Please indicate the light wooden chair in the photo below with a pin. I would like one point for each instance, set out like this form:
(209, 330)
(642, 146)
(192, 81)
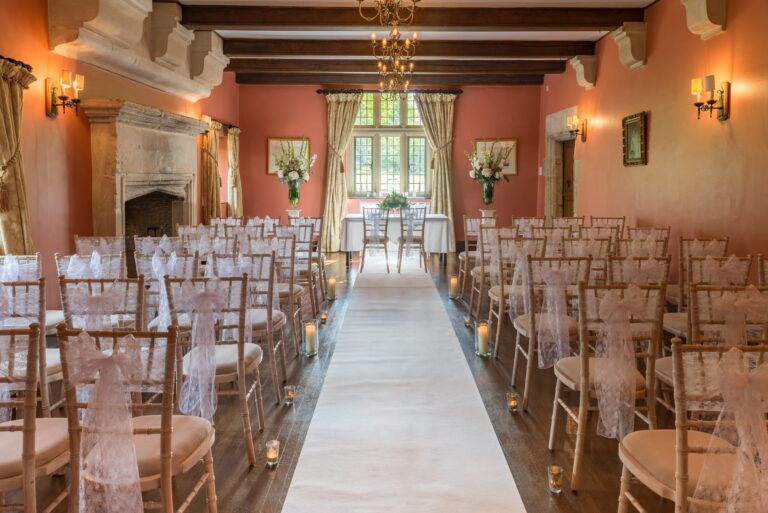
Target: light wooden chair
(716, 247)
(31, 269)
(167, 445)
(318, 257)
(236, 359)
(498, 309)
(525, 225)
(599, 232)
(289, 291)
(577, 373)
(640, 247)
(30, 447)
(84, 246)
(189, 264)
(617, 222)
(112, 266)
(639, 271)
(574, 223)
(127, 313)
(670, 462)
(221, 224)
(480, 274)
(529, 324)
(468, 257)
(307, 269)
(659, 233)
(267, 225)
(375, 226)
(762, 271)
(554, 236)
(142, 244)
(412, 222)
(597, 249)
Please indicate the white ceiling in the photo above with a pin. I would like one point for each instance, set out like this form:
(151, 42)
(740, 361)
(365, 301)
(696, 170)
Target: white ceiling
(432, 3)
(592, 35)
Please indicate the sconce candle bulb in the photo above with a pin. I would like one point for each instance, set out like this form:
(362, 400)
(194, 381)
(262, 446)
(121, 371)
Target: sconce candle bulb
(577, 127)
(57, 95)
(719, 98)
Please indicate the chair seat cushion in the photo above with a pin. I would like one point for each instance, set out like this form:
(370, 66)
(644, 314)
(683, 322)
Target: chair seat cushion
(676, 323)
(284, 290)
(376, 240)
(568, 370)
(184, 322)
(51, 442)
(257, 319)
(226, 358)
(52, 361)
(52, 319)
(664, 369)
(650, 456)
(523, 323)
(472, 254)
(191, 435)
(476, 271)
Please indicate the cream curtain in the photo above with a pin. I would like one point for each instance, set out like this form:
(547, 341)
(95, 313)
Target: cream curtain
(211, 180)
(234, 185)
(15, 237)
(436, 110)
(342, 111)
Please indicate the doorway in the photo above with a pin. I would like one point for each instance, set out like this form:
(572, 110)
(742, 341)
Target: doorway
(569, 147)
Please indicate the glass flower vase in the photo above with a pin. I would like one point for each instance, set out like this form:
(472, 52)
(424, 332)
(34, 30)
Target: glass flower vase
(293, 193)
(488, 191)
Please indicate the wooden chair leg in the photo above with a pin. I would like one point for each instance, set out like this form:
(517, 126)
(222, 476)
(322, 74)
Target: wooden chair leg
(259, 398)
(210, 490)
(480, 290)
(245, 415)
(273, 366)
(499, 326)
(399, 257)
(625, 482)
(517, 354)
(471, 307)
(555, 415)
(362, 257)
(283, 358)
(528, 372)
(386, 256)
(581, 439)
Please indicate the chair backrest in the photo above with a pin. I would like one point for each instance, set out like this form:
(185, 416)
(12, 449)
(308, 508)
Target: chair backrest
(640, 248)
(231, 314)
(525, 225)
(375, 222)
(488, 239)
(596, 248)
(20, 267)
(634, 233)
(472, 230)
(506, 253)
(574, 223)
(185, 264)
(81, 266)
(285, 262)
(599, 232)
(166, 245)
(730, 270)
(640, 271)
(708, 316)
(554, 236)
(267, 224)
(19, 352)
(412, 221)
(616, 222)
(84, 246)
(578, 269)
(122, 308)
(717, 247)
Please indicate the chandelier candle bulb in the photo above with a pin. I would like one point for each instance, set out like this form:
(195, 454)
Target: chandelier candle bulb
(273, 453)
(331, 286)
(453, 291)
(310, 337)
(555, 473)
(482, 339)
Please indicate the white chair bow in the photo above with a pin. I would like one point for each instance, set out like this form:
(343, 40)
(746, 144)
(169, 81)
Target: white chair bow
(93, 311)
(553, 335)
(736, 308)
(109, 473)
(730, 272)
(9, 270)
(161, 269)
(615, 373)
(521, 279)
(641, 271)
(699, 248)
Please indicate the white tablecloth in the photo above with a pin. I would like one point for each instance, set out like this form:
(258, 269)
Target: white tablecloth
(436, 228)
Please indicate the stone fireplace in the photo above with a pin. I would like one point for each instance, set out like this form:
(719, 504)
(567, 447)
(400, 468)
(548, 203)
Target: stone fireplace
(144, 156)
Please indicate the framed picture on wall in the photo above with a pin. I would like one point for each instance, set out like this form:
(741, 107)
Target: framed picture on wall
(510, 166)
(277, 145)
(635, 139)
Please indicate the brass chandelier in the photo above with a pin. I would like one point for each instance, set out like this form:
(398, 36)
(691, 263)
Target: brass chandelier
(394, 61)
(390, 13)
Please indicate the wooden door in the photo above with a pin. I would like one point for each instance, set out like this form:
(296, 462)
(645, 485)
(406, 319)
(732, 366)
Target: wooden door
(568, 187)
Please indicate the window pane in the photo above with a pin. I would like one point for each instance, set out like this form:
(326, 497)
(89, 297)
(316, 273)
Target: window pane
(363, 164)
(390, 164)
(390, 110)
(414, 118)
(365, 114)
(417, 165)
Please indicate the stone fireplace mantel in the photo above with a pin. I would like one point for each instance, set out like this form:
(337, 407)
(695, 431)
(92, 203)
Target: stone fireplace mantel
(136, 150)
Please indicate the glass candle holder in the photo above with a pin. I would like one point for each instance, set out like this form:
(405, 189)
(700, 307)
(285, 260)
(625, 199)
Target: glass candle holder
(513, 402)
(453, 287)
(482, 339)
(323, 318)
(273, 453)
(311, 337)
(290, 394)
(331, 289)
(467, 321)
(555, 475)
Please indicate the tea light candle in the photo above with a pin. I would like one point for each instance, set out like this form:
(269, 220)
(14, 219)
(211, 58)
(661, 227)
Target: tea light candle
(323, 318)
(273, 453)
(290, 394)
(513, 400)
(331, 288)
(310, 338)
(467, 321)
(555, 478)
(482, 339)
(454, 287)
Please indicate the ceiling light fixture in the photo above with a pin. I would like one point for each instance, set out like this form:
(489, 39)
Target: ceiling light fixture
(394, 61)
(390, 13)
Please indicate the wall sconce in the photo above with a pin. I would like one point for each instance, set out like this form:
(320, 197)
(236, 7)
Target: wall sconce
(576, 127)
(722, 103)
(60, 92)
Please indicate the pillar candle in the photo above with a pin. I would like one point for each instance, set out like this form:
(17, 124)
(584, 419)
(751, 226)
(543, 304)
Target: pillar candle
(454, 290)
(331, 288)
(310, 334)
(482, 339)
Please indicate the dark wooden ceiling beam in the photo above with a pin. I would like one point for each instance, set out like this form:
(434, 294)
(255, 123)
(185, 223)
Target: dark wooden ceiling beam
(340, 49)
(482, 67)
(373, 79)
(215, 17)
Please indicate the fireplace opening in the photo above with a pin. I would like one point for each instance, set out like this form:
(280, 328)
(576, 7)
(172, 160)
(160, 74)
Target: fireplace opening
(154, 214)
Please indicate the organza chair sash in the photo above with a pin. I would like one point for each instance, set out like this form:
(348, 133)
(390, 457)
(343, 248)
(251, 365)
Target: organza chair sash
(553, 335)
(93, 311)
(521, 278)
(641, 271)
(109, 474)
(712, 248)
(732, 271)
(736, 309)
(149, 245)
(161, 268)
(639, 248)
(616, 369)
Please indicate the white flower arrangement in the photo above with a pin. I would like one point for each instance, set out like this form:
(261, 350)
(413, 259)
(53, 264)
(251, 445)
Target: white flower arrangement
(293, 167)
(486, 168)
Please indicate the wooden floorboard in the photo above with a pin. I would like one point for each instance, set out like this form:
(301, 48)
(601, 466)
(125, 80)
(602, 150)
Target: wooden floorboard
(523, 436)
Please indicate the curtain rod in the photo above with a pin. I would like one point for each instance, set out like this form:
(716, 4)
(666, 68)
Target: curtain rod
(225, 125)
(18, 63)
(377, 91)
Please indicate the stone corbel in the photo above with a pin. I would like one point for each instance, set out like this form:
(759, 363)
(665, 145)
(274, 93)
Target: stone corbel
(585, 67)
(630, 38)
(121, 21)
(170, 39)
(207, 59)
(705, 18)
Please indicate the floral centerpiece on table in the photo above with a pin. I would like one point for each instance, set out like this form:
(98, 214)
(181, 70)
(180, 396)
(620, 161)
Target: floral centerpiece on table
(394, 201)
(487, 164)
(294, 169)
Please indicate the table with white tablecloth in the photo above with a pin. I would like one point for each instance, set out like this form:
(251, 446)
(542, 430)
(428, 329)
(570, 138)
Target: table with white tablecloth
(436, 232)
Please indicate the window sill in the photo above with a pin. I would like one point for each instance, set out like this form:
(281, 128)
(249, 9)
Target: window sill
(415, 198)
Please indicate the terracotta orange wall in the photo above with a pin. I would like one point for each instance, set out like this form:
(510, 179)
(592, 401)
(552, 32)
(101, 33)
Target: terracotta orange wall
(280, 111)
(57, 153)
(703, 178)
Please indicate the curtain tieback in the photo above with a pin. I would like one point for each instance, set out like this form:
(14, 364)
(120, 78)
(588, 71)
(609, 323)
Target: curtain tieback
(438, 150)
(4, 196)
(341, 158)
(10, 161)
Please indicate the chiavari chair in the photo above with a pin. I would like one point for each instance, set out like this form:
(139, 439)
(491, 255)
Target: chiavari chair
(126, 308)
(617, 222)
(574, 223)
(84, 246)
(658, 233)
(30, 269)
(412, 223)
(481, 273)
(525, 225)
(375, 232)
(639, 271)
(468, 257)
(554, 236)
(188, 265)
(104, 266)
(599, 232)
(715, 247)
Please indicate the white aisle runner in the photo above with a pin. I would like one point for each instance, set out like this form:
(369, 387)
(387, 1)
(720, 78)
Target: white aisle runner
(400, 426)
